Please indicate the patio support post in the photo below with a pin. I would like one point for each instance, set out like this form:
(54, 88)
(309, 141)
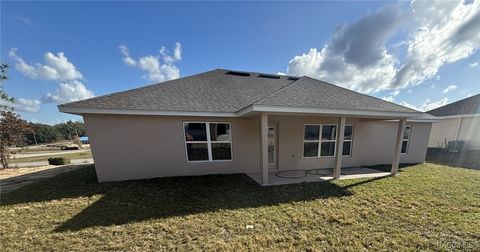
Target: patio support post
(398, 146)
(264, 147)
(339, 148)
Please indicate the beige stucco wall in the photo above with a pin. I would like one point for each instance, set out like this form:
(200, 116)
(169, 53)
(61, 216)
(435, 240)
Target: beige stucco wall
(136, 147)
(373, 142)
(460, 128)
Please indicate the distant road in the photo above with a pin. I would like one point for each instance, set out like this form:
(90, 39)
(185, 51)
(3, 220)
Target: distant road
(43, 163)
(47, 153)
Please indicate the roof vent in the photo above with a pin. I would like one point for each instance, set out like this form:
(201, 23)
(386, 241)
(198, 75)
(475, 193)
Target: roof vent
(238, 73)
(293, 78)
(268, 76)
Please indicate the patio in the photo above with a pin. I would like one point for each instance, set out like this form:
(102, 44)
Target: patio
(316, 175)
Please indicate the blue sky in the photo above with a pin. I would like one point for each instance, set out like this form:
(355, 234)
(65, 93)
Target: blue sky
(402, 52)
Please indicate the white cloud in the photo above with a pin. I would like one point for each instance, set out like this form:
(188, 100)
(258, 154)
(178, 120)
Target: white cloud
(157, 70)
(26, 21)
(388, 98)
(449, 88)
(427, 105)
(395, 92)
(474, 64)
(357, 57)
(69, 92)
(56, 67)
(23, 104)
(446, 31)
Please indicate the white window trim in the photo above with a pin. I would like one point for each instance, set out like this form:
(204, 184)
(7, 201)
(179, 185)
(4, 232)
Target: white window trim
(350, 140)
(406, 140)
(319, 140)
(208, 142)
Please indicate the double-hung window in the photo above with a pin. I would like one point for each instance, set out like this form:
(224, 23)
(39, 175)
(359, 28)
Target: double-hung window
(208, 141)
(319, 140)
(406, 139)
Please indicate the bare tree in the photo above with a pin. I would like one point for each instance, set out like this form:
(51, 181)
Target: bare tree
(12, 132)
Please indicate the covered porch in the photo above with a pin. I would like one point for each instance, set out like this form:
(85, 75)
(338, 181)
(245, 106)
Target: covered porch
(297, 172)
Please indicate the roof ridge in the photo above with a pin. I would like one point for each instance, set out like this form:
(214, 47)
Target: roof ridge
(278, 90)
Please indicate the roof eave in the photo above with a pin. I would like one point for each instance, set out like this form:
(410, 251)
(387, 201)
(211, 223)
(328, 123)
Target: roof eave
(326, 111)
(82, 111)
(252, 109)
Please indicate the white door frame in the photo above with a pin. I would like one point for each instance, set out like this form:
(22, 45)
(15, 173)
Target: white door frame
(274, 165)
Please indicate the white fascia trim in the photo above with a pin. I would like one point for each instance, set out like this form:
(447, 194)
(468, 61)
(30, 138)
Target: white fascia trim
(80, 111)
(306, 110)
(458, 116)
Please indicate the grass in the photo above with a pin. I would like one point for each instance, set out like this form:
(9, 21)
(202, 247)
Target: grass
(76, 155)
(427, 207)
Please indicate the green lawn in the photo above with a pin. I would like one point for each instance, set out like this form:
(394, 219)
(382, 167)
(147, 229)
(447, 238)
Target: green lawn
(426, 207)
(77, 155)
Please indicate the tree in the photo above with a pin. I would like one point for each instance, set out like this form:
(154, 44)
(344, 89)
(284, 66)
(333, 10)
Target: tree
(42, 133)
(12, 132)
(5, 100)
(71, 129)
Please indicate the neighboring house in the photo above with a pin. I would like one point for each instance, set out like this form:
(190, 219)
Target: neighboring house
(460, 121)
(225, 121)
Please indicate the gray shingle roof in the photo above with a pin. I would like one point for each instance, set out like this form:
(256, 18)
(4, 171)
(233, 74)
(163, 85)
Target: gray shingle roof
(213, 91)
(468, 106)
(219, 91)
(309, 92)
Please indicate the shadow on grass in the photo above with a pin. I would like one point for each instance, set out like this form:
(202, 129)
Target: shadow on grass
(388, 167)
(131, 201)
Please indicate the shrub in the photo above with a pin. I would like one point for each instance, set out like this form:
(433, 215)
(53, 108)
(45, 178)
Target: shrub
(58, 161)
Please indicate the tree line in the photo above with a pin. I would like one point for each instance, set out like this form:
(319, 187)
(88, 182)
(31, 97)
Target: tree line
(43, 133)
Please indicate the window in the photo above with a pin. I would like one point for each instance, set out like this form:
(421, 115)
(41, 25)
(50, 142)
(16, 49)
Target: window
(347, 140)
(406, 139)
(319, 140)
(208, 141)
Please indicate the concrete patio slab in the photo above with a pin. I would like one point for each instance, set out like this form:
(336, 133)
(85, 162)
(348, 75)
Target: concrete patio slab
(315, 175)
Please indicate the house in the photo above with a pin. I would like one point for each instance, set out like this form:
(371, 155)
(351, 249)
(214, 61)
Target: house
(460, 121)
(224, 121)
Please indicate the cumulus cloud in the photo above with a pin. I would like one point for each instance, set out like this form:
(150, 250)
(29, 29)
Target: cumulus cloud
(474, 64)
(159, 67)
(23, 104)
(358, 58)
(449, 88)
(56, 67)
(68, 92)
(427, 105)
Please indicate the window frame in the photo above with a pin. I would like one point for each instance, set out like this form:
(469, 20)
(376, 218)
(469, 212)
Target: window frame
(208, 142)
(351, 140)
(406, 140)
(319, 140)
